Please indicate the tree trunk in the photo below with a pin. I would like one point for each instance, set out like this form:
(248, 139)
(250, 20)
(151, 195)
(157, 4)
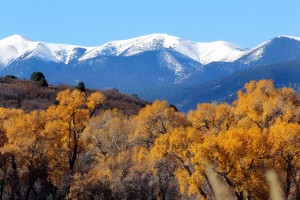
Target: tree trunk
(288, 179)
(2, 186)
(74, 156)
(31, 182)
(16, 186)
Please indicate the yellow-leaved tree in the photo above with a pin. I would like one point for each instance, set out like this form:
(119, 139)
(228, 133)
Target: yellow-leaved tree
(155, 120)
(9, 184)
(152, 122)
(65, 125)
(276, 112)
(27, 145)
(108, 157)
(191, 148)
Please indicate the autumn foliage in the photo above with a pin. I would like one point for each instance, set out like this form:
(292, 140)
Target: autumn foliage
(78, 148)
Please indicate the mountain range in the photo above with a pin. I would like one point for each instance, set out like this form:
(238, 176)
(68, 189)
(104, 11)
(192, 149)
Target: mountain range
(157, 66)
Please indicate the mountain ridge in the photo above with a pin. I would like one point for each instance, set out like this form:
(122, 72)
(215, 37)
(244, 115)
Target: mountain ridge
(142, 63)
(203, 52)
(168, 41)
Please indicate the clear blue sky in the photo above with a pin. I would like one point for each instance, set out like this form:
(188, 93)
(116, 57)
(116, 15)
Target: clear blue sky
(94, 22)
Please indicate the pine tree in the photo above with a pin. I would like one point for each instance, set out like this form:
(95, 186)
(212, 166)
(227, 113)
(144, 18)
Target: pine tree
(80, 86)
(39, 78)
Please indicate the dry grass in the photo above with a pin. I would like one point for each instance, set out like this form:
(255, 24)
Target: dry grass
(222, 192)
(276, 192)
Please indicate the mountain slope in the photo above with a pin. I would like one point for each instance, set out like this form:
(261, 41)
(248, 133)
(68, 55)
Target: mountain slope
(225, 90)
(279, 49)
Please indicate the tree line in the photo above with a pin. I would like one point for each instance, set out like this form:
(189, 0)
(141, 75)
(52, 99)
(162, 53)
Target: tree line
(69, 151)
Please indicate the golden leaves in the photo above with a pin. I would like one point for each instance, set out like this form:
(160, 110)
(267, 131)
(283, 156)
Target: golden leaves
(95, 99)
(240, 142)
(113, 151)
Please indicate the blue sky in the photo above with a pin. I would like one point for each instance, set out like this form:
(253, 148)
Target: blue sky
(94, 22)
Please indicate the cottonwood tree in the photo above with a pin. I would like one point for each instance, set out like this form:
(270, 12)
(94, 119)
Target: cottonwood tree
(27, 145)
(153, 121)
(9, 184)
(67, 121)
(240, 142)
(182, 145)
(108, 156)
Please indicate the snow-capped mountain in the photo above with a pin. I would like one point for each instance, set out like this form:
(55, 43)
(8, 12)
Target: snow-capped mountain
(136, 64)
(279, 49)
(201, 52)
(164, 59)
(16, 46)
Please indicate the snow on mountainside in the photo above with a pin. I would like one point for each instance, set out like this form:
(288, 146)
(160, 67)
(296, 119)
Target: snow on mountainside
(156, 61)
(15, 46)
(278, 49)
(201, 52)
(290, 37)
(167, 58)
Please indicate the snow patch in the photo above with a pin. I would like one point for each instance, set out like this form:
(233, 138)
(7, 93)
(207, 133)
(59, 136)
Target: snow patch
(173, 64)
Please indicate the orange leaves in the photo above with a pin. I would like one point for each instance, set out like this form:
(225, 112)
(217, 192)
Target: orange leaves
(155, 120)
(26, 131)
(95, 99)
(107, 133)
(240, 141)
(119, 153)
(71, 99)
(285, 136)
(262, 104)
(211, 118)
(6, 114)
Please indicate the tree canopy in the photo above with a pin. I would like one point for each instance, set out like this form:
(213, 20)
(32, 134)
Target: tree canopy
(69, 151)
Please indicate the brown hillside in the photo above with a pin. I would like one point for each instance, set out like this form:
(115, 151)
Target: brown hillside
(29, 96)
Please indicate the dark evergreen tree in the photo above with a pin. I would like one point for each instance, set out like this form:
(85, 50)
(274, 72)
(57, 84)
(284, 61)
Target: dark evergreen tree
(80, 86)
(174, 107)
(11, 77)
(39, 78)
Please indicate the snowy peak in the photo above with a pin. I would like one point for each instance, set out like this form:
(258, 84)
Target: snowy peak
(16, 47)
(278, 49)
(289, 37)
(150, 43)
(132, 46)
(216, 51)
(282, 40)
(201, 52)
(13, 47)
(13, 39)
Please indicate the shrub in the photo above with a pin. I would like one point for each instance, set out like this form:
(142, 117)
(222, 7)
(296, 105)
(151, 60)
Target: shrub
(11, 77)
